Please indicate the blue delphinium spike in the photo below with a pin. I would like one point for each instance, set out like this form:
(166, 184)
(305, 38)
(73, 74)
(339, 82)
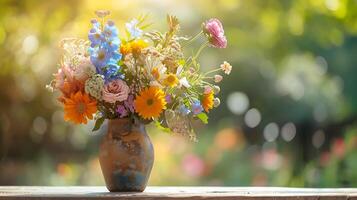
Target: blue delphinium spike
(104, 49)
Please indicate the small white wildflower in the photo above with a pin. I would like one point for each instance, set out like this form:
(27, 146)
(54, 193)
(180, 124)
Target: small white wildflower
(226, 67)
(179, 70)
(184, 82)
(133, 29)
(94, 86)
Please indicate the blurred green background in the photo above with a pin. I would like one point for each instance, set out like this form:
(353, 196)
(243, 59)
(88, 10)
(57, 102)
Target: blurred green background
(289, 109)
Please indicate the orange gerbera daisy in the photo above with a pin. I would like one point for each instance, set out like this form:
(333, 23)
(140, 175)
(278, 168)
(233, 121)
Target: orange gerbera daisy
(72, 86)
(208, 101)
(150, 102)
(78, 107)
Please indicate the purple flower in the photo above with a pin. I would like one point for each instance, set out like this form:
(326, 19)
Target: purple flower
(214, 31)
(129, 103)
(168, 98)
(122, 111)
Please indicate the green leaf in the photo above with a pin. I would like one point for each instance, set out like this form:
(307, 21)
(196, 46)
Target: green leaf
(161, 127)
(203, 117)
(98, 124)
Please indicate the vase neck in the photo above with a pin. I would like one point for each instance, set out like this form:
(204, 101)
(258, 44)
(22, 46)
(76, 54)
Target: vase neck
(124, 126)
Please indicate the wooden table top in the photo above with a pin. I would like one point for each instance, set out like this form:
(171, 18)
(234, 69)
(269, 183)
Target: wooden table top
(166, 193)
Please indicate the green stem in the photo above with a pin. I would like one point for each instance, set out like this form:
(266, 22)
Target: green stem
(193, 59)
(204, 45)
(193, 39)
(214, 70)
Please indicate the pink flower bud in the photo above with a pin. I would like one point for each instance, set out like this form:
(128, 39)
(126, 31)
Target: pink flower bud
(207, 89)
(218, 78)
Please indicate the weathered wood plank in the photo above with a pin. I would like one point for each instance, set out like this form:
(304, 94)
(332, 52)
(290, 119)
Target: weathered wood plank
(182, 193)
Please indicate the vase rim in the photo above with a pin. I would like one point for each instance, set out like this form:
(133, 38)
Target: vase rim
(120, 119)
(125, 120)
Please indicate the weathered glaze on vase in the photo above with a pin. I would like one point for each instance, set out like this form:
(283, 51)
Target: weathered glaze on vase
(126, 156)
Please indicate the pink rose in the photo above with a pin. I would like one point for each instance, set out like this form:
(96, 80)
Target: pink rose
(214, 30)
(116, 90)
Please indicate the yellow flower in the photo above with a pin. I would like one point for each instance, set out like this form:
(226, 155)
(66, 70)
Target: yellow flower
(137, 46)
(155, 73)
(150, 102)
(208, 101)
(171, 80)
(78, 107)
(134, 47)
(125, 48)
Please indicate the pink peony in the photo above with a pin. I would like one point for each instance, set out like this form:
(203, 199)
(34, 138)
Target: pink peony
(59, 79)
(214, 30)
(84, 69)
(81, 71)
(116, 90)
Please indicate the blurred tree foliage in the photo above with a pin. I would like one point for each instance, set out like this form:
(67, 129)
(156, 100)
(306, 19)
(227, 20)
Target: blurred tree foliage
(294, 60)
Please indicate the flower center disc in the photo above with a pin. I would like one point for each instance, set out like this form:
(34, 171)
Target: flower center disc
(101, 55)
(81, 107)
(149, 102)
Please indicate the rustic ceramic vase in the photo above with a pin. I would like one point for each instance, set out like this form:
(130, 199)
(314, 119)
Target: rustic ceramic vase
(126, 156)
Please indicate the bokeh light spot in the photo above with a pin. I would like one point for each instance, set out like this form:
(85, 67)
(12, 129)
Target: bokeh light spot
(193, 165)
(39, 125)
(252, 118)
(318, 139)
(229, 138)
(288, 132)
(30, 44)
(332, 4)
(271, 132)
(237, 102)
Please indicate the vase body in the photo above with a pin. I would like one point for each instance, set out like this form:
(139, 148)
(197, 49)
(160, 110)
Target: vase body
(126, 156)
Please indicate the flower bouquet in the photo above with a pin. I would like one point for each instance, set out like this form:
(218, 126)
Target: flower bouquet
(134, 78)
